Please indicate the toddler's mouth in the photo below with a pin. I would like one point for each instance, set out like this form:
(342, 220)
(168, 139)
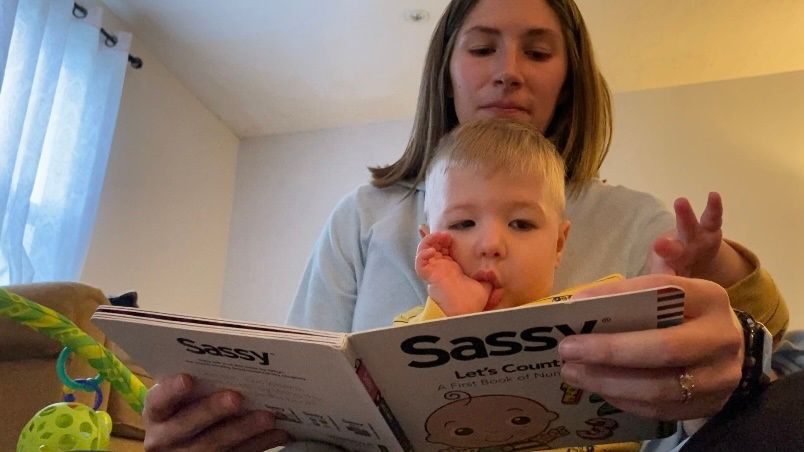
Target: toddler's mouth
(487, 276)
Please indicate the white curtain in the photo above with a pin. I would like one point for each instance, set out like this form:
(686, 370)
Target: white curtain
(60, 88)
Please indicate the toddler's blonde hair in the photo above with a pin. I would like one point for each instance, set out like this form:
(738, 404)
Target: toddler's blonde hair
(499, 145)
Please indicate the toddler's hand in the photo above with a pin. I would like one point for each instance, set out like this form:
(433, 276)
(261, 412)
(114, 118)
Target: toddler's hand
(453, 291)
(434, 263)
(693, 250)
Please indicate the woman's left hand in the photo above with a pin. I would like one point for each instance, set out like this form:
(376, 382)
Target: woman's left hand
(640, 372)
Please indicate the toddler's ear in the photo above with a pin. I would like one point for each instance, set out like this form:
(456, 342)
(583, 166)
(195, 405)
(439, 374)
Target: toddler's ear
(563, 233)
(423, 230)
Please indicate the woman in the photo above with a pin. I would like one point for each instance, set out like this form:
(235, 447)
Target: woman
(529, 60)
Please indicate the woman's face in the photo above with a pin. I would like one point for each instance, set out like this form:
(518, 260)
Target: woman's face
(509, 60)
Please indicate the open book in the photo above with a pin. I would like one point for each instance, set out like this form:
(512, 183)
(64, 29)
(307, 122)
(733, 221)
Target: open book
(485, 381)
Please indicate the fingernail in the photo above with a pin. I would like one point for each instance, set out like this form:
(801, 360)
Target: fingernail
(184, 382)
(569, 350)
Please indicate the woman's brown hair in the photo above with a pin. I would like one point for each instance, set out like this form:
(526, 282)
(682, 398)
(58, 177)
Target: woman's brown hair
(581, 125)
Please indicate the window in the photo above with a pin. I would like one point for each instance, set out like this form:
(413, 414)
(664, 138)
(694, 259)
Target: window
(59, 96)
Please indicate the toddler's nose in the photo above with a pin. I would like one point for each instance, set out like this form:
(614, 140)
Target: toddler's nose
(492, 244)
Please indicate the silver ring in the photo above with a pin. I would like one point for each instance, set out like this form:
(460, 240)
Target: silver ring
(687, 385)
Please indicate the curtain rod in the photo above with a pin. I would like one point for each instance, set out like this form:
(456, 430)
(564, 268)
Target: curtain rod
(110, 40)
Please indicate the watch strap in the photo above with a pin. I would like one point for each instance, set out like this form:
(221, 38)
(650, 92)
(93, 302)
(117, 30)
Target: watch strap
(758, 346)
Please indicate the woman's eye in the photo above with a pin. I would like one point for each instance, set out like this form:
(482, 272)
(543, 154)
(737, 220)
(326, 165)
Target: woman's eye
(538, 55)
(522, 225)
(481, 51)
(463, 224)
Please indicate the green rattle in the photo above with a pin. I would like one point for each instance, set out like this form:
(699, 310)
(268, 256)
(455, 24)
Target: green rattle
(66, 426)
(69, 425)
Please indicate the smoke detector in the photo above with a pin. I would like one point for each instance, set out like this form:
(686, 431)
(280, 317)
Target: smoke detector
(417, 15)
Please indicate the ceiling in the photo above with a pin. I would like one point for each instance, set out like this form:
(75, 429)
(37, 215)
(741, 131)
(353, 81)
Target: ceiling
(277, 66)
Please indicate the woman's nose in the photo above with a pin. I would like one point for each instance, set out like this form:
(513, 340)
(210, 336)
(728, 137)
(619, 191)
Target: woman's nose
(509, 73)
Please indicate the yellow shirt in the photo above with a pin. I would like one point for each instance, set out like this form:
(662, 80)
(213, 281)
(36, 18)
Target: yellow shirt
(431, 311)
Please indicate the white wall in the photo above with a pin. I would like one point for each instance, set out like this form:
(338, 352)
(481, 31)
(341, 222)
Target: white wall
(163, 221)
(286, 187)
(742, 137)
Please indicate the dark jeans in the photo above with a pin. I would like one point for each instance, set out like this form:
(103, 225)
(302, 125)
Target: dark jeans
(772, 420)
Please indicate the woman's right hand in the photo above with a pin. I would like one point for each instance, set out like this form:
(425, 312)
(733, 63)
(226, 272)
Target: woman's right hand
(176, 419)
(641, 371)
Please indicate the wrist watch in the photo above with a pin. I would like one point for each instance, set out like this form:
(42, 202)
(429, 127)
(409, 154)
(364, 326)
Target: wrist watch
(758, 343)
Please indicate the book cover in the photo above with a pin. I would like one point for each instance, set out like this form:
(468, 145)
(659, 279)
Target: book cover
(485, 381)
(308, 379)
(492, 381)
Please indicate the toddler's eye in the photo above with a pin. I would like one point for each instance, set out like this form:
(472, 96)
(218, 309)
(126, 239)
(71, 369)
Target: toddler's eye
(464, 431)
(522, 225)
(460, 225)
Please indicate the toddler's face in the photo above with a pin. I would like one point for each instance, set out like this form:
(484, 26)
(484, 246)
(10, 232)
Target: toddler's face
(505, 230)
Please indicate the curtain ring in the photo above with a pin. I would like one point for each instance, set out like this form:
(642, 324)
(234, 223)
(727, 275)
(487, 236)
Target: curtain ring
(79, 11)
(111, 40)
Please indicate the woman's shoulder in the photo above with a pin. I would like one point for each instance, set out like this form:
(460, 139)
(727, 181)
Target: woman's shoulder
(368, 203)
(600, 195)
(370, 195)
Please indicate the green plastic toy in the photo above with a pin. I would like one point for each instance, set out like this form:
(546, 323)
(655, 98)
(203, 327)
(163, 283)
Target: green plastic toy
(68, 425)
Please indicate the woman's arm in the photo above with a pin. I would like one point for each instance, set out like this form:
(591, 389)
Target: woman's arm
(328, 290)
(758, 295)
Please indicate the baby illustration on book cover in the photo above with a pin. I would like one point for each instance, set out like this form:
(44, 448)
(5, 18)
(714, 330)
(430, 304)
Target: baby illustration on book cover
(492, 423)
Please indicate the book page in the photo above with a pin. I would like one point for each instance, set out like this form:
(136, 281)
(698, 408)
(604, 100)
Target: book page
(312, 388)
(493, 379)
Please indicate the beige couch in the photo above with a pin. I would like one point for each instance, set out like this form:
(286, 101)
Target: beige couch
(28, 380)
